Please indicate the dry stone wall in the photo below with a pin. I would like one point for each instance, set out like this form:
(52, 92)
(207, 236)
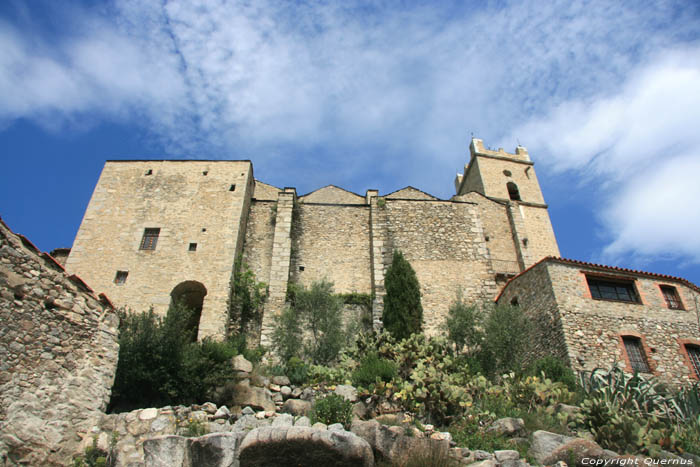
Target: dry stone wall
(332, 242)
(257, 250)
(58, 355)
(444, 243)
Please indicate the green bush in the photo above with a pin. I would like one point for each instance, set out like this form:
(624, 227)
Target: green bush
(332, 409)
(297, 371)
(373, 368)
(318, 312)
(92, 457)
(463, 325)
(160, 365)
(507, 336)
(247, 299)
(403, 313)
(554, 369)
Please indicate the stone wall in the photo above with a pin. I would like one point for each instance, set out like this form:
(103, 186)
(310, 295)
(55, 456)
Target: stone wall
(204, 203)
(332, 242)
(444, 243)
(257, 249)
(332, 195)
(534, 295)
(541, 241)
(58, 355)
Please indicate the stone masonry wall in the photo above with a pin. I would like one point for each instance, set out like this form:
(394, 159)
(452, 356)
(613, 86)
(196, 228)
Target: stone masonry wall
(534, 295)
(257, 250)
(332, 242)
(444, 243)
(200, 202)
(540, 234)
(593, 327)
(58, 355)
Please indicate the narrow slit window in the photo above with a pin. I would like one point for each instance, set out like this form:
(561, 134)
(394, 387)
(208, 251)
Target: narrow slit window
(120, 277)
(635, 354)
(513, 192)
(693, 352)
(150, 239)
(205, 173)
(149, 172)
(193, 247)
(232, 187)
(673, 301)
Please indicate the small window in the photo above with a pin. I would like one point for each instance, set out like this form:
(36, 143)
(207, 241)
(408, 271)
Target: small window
(232, 187)
(515, 302)
(635, 354)
(204, 229)
(149, 172)
(513, 192)
(507, 173)
(193, 247)
(150, 239)
(693, 352)
(301, 268)
(205, 173)
(120, 278)
(605, 289)
(673, 301)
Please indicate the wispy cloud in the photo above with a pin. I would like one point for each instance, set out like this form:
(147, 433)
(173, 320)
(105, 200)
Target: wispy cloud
(640, 150)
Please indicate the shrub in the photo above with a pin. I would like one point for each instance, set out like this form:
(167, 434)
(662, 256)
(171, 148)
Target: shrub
(317, 311)
(373, 368)
(297, 371)
(246, 300)
(403, 313)
(160, 365)
(332, 409)
(554, 369)
(93, 457)
(507, 337)
(462, 324)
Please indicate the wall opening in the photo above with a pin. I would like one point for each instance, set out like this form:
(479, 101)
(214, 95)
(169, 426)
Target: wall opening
(513, 192)
(190, 294)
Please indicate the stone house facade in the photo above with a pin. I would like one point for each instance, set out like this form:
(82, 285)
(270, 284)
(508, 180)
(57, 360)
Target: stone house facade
(593, 316)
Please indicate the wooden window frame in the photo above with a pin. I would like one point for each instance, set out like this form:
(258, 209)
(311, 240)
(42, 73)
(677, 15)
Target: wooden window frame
(673, 291)
(628, 283)
(644, 347)
(684, 343)
(120, 277)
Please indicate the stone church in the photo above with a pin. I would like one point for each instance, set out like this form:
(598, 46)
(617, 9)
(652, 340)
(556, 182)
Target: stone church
(158, 231)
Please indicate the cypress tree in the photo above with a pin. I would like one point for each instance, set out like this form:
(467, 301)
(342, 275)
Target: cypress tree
(403, 313)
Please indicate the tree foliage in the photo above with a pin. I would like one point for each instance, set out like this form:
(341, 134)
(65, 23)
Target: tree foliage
(247, 299)
(312, 326)
(507, 339)
(403, 313)
(160, 365)
(464, 326)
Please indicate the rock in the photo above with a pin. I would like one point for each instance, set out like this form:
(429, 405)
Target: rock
(296, 393)
(441, 436)
(508, 427)
(247, 411)
(348, 392)
(222, 412)
(549, 448)
(240, 363)
(165, 451)
(209, 408)
(319, 426)
(249, 422)
(359, 410)
(296, 407)
(275, 387)
(278, 397)
(148, 414)
(286, 391)
(215, 449)
(260, 415)
(506, 455)
(427, 427)
(482, 455)
(304, 446)
(391, 444)
(270, 413)
(252, 396)
(281, 380)
(283, 419)
(303, 421)
(485, 463)
(307, 394)
(259, 381)
(567, 409)
(336, 427)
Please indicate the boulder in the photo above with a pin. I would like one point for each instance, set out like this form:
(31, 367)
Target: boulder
(359, 410)
(281, 380)
(390, 442)
(549, 448)
(508, 427)
(253, 396)
(349, 393)
(214, 450)
(240, 364)
(291, 446)
(166, 451)
(296, 407)
(303, 421)
(283, 419)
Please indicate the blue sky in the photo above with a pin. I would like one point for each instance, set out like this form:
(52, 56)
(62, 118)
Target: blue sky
(605, 96)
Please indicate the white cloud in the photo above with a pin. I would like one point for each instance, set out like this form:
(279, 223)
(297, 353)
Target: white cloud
(640, 149)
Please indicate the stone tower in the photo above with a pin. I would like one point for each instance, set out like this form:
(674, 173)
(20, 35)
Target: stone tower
(510, 179)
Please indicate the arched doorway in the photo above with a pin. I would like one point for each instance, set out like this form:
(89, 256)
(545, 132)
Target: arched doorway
(191, 295)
